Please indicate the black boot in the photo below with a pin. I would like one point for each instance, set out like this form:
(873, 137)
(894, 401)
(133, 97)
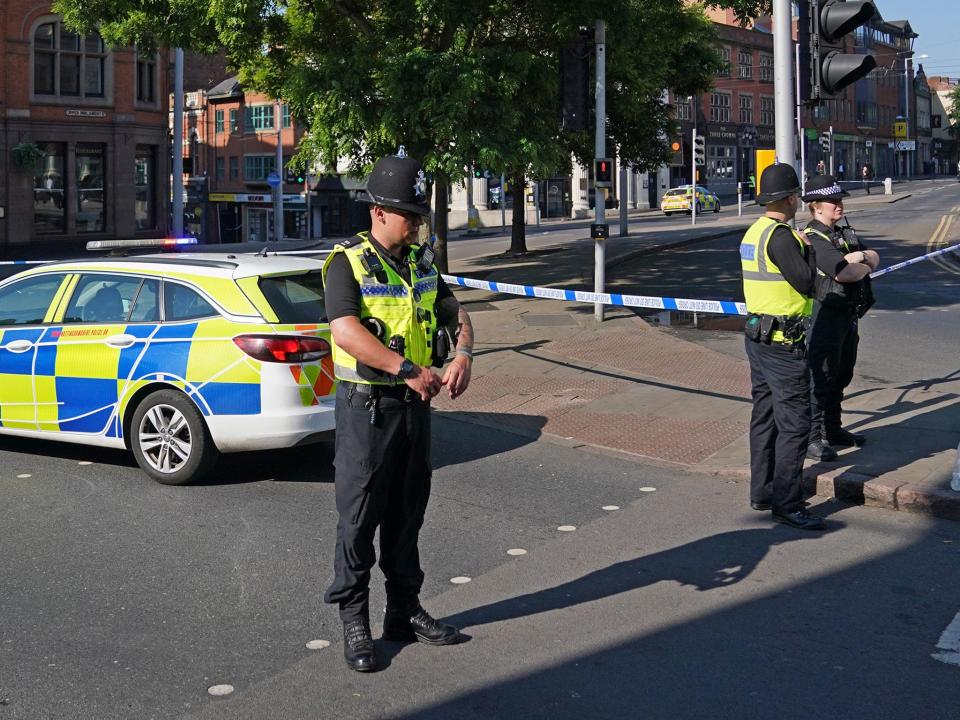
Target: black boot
(418, 627)
(358, 648)
(844, 438)
(819, 450)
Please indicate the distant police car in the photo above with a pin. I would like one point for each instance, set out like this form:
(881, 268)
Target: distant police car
(175, 357)
(678, 200)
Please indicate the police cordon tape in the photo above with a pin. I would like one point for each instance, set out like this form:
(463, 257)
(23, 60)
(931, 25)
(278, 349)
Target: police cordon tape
(718, 307)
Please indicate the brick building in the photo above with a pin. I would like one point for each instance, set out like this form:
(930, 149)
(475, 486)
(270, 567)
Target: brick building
(83, 136)
(943, 141)
(230, 148)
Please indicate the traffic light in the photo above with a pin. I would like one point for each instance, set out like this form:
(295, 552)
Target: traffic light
(699, 150)
(603, 173)
(825, 141)
(827, 67)
(575, 84)
(477, 172)
(676, 150)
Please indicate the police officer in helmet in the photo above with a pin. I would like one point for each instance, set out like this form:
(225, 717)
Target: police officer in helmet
(778, 276)
(391, 317)
(843, 296)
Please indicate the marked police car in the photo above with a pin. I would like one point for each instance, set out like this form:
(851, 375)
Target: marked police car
(678, 200)
(175, 357)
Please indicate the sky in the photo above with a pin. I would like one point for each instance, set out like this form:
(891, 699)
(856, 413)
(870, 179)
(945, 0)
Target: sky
(936, 22)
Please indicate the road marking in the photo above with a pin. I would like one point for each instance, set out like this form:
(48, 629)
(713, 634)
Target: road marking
(938, 239)
(460, 580)
(949, 643)
(610, 508)
(648, 489)
(516, 551)
(23, 476)
(318, 644)
(220, 690)
(567, 528)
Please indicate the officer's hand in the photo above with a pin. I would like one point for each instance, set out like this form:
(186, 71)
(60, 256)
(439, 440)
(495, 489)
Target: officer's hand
(457, 376)
(871, 258)
(425, 383)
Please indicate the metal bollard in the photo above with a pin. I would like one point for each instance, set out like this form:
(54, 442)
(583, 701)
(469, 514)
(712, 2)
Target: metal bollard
(888, 186)
(739, 199)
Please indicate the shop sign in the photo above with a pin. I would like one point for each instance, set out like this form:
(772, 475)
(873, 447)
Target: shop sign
(718, 132)
(252, 198)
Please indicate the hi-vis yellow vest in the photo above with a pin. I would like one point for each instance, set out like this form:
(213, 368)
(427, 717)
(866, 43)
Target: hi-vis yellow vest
(765, 290)
(405, 309)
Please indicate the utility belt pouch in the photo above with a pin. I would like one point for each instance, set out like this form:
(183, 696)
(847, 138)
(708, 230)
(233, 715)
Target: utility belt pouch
(441, 346)
(768, 323)
(751, 328)
(794, 330)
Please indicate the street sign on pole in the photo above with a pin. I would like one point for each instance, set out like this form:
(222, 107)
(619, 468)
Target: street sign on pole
(273, 180)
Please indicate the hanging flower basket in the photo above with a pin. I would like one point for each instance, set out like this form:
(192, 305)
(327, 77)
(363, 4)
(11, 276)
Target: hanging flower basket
(26, 154)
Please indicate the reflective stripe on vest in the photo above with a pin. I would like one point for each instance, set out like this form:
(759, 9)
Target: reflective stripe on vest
(765, 290)
(405, 309)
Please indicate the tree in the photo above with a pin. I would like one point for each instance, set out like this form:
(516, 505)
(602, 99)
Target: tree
(455, 81)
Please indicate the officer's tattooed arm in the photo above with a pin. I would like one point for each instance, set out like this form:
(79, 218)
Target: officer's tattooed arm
(457, 375)
(464, 331)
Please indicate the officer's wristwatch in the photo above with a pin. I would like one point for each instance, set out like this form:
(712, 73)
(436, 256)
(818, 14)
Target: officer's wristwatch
(407, 370)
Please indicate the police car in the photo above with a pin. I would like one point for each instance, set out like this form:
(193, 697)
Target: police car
(175, 357)
(678, 200)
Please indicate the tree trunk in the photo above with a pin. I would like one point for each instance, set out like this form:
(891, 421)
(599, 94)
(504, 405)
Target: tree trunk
(441, 220)
(518, 232)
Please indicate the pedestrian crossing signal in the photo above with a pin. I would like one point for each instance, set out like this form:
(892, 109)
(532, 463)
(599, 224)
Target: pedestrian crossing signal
(603, 173)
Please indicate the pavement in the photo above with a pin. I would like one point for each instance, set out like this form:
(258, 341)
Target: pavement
(627, 387)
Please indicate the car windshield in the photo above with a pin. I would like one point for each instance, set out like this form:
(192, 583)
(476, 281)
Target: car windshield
(295, 298)
(675, 193)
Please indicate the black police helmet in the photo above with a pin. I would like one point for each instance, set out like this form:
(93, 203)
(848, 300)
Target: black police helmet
(777, 182)
(398, 181)
(823, 187)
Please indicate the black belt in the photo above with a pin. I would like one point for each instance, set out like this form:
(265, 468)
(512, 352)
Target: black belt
(399, 392)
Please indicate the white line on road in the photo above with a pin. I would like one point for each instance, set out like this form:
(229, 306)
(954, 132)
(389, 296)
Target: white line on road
(949, 644)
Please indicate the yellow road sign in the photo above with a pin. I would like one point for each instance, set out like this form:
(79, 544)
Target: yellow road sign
(900, 129)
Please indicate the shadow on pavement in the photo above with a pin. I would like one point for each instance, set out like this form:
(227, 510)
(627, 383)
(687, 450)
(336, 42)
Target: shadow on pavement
(456, 442)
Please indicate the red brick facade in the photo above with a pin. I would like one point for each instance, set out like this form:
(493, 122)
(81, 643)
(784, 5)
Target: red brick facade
(103, 133)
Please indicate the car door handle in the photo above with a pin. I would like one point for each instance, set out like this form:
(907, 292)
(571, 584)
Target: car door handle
(18, 346)
(121, 341)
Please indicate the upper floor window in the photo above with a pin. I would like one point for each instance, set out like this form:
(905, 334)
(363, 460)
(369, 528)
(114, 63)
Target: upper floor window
(720, 107)
(767, 114)
(725, 56)
(766, 68)
(285, 121)
(146, 78)
(66, 64)
(258, 117)
(745, 64)
(746, 109)
(218, 121)
(682, 108)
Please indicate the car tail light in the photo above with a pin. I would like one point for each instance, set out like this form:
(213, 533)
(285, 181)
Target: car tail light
(283, 348)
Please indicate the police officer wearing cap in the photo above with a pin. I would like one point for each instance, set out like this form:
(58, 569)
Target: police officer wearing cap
(391, 317)
(778, 276)
(843, 296)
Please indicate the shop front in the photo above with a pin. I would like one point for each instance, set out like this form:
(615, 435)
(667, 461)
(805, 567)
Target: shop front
(249, 217)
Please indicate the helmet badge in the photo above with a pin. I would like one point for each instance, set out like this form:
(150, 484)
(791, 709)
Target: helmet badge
(420, 186)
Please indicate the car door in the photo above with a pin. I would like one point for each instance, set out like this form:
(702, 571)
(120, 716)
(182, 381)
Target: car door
(25, 309)
(105, 323)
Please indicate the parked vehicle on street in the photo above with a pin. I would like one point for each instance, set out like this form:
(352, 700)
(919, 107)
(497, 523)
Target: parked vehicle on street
(177, 358)
(678, 200)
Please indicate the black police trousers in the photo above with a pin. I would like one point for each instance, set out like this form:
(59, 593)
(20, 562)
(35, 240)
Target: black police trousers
(832, 355)
(779, 424)
(382, 479)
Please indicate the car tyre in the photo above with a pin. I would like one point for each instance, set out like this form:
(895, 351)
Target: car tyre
(716, 208)
(170, 440)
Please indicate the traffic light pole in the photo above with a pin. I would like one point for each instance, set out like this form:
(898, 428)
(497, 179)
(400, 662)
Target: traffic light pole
(783, 80)
(600, 151)
(281, 171)
(693, 168)
(176, 207)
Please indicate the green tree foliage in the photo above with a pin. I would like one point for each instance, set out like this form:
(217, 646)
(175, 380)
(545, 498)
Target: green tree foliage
(455, 81)
(953, 112)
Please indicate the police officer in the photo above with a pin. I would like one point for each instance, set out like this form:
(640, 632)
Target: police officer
(778, 276)
(843, 295)
(390, 316)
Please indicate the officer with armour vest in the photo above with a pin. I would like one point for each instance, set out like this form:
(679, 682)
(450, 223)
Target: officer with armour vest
(391, 317)
(843, 295)
(778, 276)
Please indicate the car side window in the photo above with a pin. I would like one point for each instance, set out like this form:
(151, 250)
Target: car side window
(26, 302)
(146, 306)
(102, 299)
(183, 303)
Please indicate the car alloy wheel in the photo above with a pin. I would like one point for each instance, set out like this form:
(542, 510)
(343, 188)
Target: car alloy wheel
(165, 440)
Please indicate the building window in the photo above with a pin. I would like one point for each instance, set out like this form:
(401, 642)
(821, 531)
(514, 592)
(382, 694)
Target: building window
(145, 204)
(218, 122)
(257, 167)
(49, 187)
(66, 64)
(720, 161)
(234, 167)
(725, 58)
(746, 109)
(146, 78)
(258, 117)
(720, 107)
(745, 64)
(91, 173)
(682, 108)
(766, 111)
(234, 126)
(220, 168)
(766, 68)
(285, 117)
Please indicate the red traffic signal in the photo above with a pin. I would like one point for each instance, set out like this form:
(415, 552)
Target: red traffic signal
(603, 173)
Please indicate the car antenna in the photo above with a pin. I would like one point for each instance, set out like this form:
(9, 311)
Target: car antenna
(263, 252)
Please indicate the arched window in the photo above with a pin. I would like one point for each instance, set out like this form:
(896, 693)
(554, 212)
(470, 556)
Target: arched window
(66, 64)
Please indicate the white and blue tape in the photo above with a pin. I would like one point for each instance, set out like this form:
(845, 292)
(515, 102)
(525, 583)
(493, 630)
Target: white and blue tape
(912, 261)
